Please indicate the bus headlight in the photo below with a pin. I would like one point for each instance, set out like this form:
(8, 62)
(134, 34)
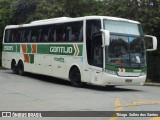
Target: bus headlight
(143, 73)
(111, 72)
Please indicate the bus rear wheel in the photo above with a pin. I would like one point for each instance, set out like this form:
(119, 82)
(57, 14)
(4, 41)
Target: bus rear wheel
(14, 67)
(20, 68)
(75, 77)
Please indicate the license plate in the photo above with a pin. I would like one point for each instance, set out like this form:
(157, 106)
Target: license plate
(128, 81)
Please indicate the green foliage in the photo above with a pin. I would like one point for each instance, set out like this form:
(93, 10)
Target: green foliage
(22, 9)
(59, 8)
(148, 80)
(0, 59)
(5, 16)
(47, 9)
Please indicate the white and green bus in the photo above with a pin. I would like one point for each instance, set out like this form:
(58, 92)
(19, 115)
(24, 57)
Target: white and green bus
(100, 50)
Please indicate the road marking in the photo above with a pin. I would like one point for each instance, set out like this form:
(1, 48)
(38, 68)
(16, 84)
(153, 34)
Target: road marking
(119, 107)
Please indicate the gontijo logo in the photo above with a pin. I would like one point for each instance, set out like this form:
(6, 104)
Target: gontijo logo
(61, 49)
(65, 49)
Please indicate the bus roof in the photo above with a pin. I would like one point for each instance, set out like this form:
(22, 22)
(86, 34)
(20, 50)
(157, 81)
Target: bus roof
(67, 19)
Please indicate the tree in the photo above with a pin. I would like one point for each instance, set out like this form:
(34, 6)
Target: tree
(60, 8)
(22, 9)
(5, 16)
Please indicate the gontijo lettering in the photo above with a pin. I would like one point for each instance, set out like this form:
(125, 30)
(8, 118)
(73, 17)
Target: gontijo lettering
(61, 49)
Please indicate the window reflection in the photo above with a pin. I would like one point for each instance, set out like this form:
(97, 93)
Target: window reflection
(126, 51)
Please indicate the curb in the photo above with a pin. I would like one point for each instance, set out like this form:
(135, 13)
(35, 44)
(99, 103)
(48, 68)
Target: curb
(152, 84)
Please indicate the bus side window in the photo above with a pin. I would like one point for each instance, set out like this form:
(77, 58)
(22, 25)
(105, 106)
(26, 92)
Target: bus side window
(36, 34)
(75, 31)
(60, 33)
(29, 36)
(12, 36)
(75, 35)
(80, 38)
(69, 33)
(45, 35)
(16, 36)
(39, 34)
(22, 35)
(25, 35)
(48, 34)
(53, 36)
(7, 36)
(59, 36)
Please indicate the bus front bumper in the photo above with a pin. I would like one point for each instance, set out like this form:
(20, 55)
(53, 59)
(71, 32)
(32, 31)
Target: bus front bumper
(114, 80)
(109, 79)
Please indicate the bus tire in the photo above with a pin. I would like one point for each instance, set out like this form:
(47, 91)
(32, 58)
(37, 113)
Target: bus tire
(14, 67)
(75, 77)
(20, 68)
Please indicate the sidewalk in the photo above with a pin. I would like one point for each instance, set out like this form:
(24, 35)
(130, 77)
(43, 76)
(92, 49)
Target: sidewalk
(152, 84)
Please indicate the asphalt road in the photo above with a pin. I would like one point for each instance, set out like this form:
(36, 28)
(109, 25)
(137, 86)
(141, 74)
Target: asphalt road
(34, 92)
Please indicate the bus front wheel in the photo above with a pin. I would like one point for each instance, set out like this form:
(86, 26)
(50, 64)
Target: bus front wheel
(75, 77)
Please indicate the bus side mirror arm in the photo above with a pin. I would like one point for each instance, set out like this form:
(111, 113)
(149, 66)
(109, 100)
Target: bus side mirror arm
(154, 42)
(106, 37)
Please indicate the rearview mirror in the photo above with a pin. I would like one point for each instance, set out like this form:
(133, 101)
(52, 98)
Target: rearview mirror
(106, 37)
(151, 42)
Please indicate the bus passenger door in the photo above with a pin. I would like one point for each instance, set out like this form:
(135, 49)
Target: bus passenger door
(93, 50)
(97, 59)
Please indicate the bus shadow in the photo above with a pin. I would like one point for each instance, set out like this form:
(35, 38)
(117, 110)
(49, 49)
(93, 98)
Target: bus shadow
(48, 79)
(111, 89)
(58, 81)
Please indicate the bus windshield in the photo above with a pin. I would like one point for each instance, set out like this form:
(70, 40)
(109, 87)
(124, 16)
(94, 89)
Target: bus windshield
(127, 48)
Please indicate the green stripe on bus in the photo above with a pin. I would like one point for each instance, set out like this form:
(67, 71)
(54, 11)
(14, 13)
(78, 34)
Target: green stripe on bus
(31, 58)
(56, 49)
(9, 47)
(18, 47)
(113, 68)
(43, 49)
(110, 67)
(80, 50)
(29, 48)
(60, 49)
(129, 70)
